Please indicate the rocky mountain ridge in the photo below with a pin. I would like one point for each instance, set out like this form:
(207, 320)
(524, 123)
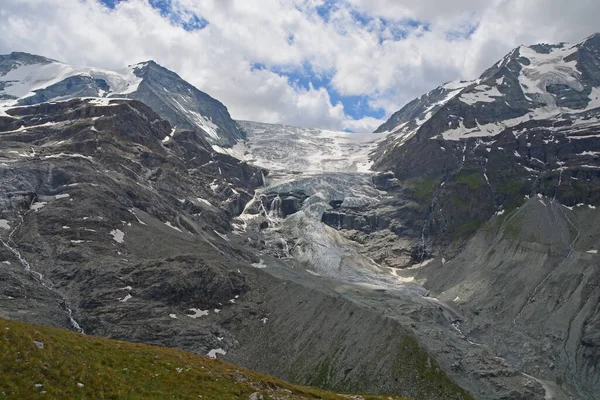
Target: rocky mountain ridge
(27, 79)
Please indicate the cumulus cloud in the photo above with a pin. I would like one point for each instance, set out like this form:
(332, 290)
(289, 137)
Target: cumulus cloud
(299, 62)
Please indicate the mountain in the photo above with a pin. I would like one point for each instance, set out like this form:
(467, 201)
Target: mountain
(527, 125)
(492, 190)
(451, 256)
(27, 79)
(115, 224)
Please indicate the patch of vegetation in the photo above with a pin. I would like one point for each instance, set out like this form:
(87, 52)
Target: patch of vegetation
(48, 363)
(467, 229)
(413, 360)
(471, 176)
(425, 188)
(514, 226)
(513, 192)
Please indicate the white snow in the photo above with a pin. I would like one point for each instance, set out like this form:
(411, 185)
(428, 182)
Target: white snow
(307, 150)
(592, 251)
(501, 212)
(224, 237)
(127, 288)
(77, 241)
(480, 94)
(213, 353)
(208, 203)
(197, 313)
(312, 272)
(118, 235)
(168, 223)
(260, 265)
(62, 196)
(173, 316)
(548, 69)
(4, 224)
(65, 155)
(124, 299)
(38, 205)
(491, 129)
(23, 81)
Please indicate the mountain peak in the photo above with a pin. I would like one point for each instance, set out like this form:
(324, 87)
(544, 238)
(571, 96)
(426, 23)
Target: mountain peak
(15, 59)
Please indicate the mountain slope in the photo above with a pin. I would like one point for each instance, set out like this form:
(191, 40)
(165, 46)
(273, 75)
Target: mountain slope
(524, 125)
(38, 362)
(494, 186)
(27, 79)
(113, 223)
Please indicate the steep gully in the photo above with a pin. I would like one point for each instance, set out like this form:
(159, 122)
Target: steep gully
(11, 246)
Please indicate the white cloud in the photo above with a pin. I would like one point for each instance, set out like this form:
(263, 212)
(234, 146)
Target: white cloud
(361, 56)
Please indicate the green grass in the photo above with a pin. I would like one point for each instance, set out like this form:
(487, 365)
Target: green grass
(467, 229)
(432, 379)
(471, 177)
(73, 366)
(424, 188)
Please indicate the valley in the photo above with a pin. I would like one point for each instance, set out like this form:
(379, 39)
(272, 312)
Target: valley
(452, 254)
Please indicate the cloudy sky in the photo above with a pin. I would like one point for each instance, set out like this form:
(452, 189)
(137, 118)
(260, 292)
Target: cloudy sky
(338, 64)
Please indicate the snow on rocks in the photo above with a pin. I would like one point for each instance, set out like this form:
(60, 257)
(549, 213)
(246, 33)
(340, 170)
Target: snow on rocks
(260, 265)
(214, 352)
(592, 251)
(173, 316)
(197, 313)
(38, 205)
(118, 235)
(127, 297)
(168, 223)
(4, 224)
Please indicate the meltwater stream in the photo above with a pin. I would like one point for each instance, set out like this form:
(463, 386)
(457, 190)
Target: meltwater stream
(11, 246)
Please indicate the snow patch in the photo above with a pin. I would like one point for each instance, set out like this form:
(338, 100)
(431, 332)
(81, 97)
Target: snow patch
(260, 265)
(197, 313)
(4, 224)
(126, 298)
(118, 235)
(38, 205)
(168, 223)
(213, 353)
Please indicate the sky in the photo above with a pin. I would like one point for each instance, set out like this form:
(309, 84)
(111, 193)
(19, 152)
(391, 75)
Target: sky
(335, 64)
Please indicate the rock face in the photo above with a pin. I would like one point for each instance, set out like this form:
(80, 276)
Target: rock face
(467, 150)
(511, 158)
(27, 79)
(113, 223)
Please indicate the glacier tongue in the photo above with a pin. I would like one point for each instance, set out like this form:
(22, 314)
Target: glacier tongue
(283, 148)
(314, 170)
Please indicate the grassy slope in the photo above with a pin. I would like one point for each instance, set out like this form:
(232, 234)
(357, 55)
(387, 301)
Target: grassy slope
(75, 366)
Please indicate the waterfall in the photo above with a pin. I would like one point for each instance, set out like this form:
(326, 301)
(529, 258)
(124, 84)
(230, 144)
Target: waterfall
(40, 277)
(275, 211)
(264, 180)
(286, 249)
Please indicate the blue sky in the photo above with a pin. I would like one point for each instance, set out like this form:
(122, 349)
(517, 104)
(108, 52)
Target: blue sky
(335, 64)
